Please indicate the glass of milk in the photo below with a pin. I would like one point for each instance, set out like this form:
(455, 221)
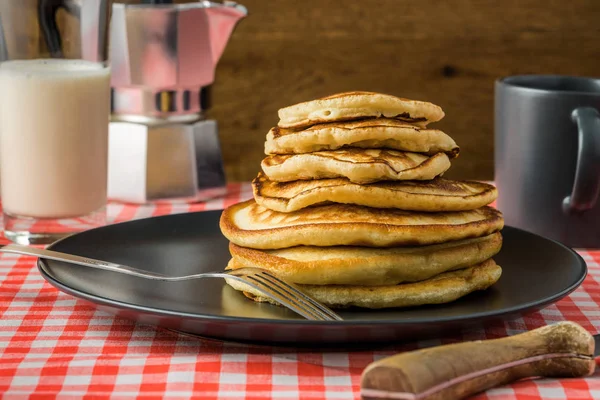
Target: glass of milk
(54, 115)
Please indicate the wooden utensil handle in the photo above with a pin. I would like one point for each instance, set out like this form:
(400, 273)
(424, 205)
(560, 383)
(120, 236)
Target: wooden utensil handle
(459, 370)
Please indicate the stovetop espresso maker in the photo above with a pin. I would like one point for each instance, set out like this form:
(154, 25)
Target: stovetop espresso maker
(163, 60)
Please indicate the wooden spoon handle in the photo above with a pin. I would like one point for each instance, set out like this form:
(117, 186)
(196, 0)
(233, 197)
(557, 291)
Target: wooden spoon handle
(459, 370)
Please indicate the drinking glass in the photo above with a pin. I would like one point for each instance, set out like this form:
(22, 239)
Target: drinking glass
(54, 115)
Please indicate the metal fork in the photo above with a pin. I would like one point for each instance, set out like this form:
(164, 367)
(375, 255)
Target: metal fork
(283, 292)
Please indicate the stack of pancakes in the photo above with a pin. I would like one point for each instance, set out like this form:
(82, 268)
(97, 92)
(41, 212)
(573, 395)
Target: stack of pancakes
(350, 206)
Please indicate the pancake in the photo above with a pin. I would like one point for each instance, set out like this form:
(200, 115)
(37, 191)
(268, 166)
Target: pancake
(347, 265)
(367, 134)
(443, 288)
(358, 165)
(436, 195)
(357, 105)
(250, 225)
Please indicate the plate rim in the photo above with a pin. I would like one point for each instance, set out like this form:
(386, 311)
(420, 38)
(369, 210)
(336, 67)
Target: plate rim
(43, 268)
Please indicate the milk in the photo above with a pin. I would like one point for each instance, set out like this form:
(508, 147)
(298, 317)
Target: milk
(54, 118)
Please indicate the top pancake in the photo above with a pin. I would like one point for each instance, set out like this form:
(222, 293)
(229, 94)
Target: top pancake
(250, 225)
(358, 105)
(368, 134)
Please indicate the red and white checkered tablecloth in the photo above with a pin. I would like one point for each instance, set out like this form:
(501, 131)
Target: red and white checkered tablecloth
(55, 346)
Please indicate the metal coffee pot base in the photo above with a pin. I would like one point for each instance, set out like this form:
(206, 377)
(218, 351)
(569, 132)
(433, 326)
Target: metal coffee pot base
(174, 161)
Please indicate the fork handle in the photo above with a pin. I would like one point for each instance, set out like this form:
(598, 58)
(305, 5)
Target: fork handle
(85, 261)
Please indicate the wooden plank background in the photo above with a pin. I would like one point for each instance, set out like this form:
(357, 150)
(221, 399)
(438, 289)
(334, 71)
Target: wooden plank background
(448, 52)
(445, 51)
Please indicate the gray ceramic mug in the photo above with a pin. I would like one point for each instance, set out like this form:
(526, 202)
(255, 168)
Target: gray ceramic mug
(547, 156)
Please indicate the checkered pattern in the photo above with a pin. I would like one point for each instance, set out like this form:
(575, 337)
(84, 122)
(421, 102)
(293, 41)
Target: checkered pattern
(53, 345)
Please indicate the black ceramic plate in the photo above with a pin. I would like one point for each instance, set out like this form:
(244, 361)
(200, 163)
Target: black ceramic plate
(536, 272)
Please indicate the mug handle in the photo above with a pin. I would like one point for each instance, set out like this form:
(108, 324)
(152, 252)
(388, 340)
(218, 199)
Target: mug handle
(587, 175)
